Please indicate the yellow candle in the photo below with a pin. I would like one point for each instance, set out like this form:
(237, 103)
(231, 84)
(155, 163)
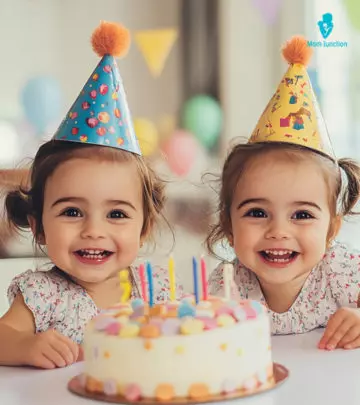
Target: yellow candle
(125, 285)
(172, 278)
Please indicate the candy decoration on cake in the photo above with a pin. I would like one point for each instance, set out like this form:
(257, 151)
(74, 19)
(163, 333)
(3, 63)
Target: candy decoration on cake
(293, 114)
(100, 115)
(125, 285)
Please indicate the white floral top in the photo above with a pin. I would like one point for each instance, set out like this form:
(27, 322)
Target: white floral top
(58, 303)
(333, 283)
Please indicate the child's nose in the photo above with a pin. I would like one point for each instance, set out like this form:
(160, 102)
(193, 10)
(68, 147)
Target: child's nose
(278, 230)
(93, 229)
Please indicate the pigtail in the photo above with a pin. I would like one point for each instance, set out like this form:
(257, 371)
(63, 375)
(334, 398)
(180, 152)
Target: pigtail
(18, 208)
(351, 194)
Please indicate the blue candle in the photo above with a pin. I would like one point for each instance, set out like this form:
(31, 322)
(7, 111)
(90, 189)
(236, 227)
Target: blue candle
(196, 280)
(150, 284)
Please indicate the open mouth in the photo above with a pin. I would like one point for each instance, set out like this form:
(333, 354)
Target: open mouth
(279, 256)
(93, 254)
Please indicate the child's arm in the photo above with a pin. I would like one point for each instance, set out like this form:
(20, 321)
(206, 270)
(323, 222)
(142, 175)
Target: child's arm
(20, 345)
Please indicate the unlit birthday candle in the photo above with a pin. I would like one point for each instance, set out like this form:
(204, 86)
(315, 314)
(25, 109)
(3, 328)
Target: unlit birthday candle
(196, 280)
(125, 285)
(142, 281)
(227, 277)
(172, 278)
(150, 284)
(204, 279)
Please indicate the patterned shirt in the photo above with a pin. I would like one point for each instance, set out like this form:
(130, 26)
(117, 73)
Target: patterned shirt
(58, 303)
(332, 284)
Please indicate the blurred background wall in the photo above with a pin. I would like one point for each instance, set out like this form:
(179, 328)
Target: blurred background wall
(228, 51)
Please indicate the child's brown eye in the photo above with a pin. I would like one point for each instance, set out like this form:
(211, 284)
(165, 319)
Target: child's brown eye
(72, 212)
(117, 214)
(302, 215)
(256, 213)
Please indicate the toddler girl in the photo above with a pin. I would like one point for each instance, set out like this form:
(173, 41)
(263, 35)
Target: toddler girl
(282, 201)
(92, 203)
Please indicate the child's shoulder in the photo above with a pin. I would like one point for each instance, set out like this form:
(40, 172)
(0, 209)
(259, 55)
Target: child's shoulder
(340, 256)
(48, 282)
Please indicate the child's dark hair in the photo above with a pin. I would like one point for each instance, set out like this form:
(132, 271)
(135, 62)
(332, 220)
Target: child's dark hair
(28, 201)
(342, 197)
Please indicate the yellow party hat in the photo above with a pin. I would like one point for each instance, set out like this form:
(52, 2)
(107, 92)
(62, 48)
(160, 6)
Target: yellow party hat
(292, 114)
(155, 45)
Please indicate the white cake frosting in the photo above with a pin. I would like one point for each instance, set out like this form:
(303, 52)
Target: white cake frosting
(179, 349)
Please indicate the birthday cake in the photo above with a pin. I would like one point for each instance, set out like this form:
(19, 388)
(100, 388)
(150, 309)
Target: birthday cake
(178, 349)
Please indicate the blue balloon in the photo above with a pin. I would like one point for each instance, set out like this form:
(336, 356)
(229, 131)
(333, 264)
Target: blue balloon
(42, 99)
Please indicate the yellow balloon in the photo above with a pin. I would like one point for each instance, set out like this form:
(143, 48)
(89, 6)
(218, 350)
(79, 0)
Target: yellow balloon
(147, 135)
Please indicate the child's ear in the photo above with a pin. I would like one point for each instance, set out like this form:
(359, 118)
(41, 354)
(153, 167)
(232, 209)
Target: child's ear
(38, 238)
(334, 229)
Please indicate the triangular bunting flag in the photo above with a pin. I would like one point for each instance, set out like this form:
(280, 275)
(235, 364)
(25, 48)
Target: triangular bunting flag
(155, 46)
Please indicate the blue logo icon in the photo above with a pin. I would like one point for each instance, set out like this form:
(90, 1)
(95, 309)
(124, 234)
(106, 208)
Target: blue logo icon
(326, 25)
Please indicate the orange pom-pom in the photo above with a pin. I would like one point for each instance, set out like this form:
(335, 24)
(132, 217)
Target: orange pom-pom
(110, 39)
(296, 50)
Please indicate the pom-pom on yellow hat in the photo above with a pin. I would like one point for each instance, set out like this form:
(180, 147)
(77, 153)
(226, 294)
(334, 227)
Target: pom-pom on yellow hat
(292, 114)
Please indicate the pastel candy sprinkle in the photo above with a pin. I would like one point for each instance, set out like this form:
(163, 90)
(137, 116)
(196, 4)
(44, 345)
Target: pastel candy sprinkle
(110, 387)
(250, 313)
(186, 309)
(113, 328)
(224, 310)
(132, 392)
(138, 312)
(204, 312)
(149, 331)
(156, 320)
(192, 326)
(204, 305)
(229, 386)
(122, 319)
(257, 306)
(240, 314)
(188, 300)
(136, 303)
(129, 330)
(225, 320)
(101, 322)
(170, 327)
(209, 323)
(164, 392)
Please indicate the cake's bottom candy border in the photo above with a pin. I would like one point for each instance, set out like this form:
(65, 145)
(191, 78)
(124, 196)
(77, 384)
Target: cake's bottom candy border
(281, 373)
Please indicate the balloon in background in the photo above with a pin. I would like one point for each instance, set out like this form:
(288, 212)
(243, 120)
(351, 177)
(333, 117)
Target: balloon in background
(269, 9)
(42, 101)
(180, 151)
(202, 116)
(353, 12)
(147, 135)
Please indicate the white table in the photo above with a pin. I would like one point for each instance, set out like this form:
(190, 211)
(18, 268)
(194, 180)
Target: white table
(316, 378)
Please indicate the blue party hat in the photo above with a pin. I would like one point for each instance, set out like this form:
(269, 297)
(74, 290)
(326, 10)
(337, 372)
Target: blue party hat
(100, 115)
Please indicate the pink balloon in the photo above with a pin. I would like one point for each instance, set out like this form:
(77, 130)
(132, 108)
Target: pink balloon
(269, 9)
(180, 151)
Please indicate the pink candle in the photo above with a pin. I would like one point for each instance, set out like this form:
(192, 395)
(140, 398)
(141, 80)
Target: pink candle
(204, 279)
(142, 281)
